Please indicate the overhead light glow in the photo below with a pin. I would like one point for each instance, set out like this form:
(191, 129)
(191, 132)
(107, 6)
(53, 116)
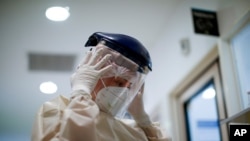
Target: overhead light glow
(209, 93)
(57, 13)
(48, 87)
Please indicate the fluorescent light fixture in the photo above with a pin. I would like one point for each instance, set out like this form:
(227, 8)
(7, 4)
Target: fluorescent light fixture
(57, 13)
(48, 87)
(209, 93)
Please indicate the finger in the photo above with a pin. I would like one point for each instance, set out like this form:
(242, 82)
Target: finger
(105, 69)
(95, 56)
(103, 61)
(86, 59)
(140, 95)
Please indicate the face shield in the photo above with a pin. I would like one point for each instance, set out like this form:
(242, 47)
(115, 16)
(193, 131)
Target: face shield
(130, 62)
(116, 89)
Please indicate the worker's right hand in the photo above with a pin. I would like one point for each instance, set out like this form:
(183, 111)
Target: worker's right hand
(89, 71)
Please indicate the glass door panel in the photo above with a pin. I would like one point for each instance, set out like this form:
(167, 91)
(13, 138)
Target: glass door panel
(201, 115)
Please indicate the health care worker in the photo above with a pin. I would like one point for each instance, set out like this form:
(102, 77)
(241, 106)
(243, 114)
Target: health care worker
(106, 84)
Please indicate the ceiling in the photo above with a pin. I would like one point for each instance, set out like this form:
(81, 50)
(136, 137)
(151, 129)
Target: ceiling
(25, 30)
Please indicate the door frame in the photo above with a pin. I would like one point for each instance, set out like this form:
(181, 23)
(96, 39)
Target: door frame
(207, 69)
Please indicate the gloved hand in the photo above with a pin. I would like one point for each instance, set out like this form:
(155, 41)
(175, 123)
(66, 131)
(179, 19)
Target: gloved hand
(136, 110)
(89, 71)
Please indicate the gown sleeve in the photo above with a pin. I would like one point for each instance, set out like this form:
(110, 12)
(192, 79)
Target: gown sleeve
(155, 133)
(61, 119)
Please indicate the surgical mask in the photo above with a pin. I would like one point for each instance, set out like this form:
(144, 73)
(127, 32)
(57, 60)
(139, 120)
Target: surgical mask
(111, 99)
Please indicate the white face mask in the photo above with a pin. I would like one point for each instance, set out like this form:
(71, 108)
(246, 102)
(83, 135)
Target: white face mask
(112, 99)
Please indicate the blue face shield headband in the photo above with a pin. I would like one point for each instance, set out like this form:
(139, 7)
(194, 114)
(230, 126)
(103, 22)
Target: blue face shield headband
(126, 45)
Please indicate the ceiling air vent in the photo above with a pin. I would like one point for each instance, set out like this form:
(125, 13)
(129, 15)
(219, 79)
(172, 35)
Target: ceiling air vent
(51, 62)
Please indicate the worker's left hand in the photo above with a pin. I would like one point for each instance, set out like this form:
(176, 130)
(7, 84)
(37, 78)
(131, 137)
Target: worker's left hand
(137, 111)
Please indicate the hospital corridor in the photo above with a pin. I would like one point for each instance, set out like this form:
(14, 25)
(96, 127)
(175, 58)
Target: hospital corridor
(95, 70)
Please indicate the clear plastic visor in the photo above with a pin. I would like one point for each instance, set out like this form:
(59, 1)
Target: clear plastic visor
(116, 89)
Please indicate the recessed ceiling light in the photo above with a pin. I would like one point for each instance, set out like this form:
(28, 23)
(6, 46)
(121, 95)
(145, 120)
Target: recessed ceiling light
(57, 13)
(48, 87)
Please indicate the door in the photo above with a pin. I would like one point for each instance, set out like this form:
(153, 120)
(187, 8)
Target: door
(201, 107)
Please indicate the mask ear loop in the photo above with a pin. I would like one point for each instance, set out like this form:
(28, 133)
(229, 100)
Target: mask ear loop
(102, 84)
(95, 93)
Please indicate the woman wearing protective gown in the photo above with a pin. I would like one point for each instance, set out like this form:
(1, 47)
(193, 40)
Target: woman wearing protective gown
(106, 84)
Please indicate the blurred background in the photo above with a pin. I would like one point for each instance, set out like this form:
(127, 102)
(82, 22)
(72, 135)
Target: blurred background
(35, 49)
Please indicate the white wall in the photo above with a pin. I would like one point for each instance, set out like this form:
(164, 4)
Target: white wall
(170, 67)
(231, 20)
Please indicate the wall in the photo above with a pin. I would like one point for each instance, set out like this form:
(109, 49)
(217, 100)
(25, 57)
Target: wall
(170, 66)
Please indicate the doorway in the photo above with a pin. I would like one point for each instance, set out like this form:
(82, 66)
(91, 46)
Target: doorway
(200, 106)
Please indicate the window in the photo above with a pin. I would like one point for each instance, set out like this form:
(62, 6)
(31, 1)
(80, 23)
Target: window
(241, 50)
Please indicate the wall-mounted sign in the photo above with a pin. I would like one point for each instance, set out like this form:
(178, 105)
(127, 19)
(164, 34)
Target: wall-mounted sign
(205, 22)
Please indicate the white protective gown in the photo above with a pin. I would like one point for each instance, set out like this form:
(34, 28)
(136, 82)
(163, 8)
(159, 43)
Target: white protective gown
(79, 119)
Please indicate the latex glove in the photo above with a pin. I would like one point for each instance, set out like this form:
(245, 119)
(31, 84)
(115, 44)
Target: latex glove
(89, 71)
(136, 110)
